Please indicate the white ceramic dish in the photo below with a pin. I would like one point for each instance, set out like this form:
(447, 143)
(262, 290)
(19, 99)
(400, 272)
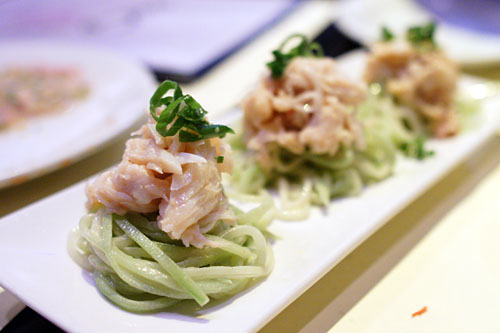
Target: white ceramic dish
(37, 268)
(363, 19)
(119, 91)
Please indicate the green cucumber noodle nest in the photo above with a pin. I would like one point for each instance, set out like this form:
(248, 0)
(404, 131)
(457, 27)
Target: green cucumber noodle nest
(306, 180)
(139, 268)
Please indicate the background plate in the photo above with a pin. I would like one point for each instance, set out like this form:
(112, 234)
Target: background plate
(119, 91)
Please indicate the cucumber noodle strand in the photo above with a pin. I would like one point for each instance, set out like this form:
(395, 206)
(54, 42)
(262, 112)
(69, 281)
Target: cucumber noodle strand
(173, 270)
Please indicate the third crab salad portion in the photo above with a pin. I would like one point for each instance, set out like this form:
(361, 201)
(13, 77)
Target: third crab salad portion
(313, 134)
(159, 228)
(418, 75)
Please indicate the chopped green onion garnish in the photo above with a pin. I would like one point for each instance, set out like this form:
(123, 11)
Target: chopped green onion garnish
(282, 59)
(416, 149)
(424, 34)
(387, 35)
(184, 115)
(220, 159)
(421, 37)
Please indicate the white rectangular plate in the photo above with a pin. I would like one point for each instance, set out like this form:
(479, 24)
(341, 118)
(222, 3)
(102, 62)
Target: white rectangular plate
(37, 268)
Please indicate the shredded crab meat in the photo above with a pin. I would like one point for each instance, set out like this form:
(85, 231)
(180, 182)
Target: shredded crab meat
(423, 80)
(180, 180)
(310, 107)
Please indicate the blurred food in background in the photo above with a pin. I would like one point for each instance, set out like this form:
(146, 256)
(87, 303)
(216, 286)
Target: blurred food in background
(27, 92)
